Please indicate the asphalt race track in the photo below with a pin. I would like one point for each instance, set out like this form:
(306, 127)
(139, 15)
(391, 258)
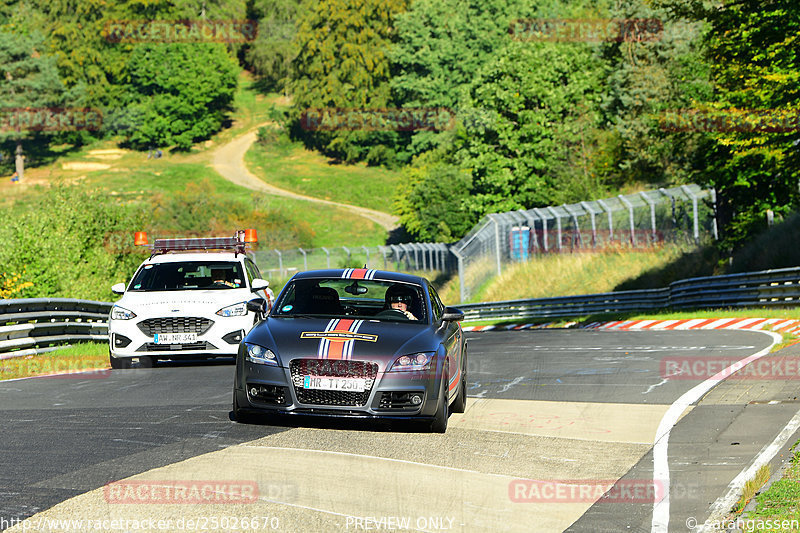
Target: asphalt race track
(575, 410)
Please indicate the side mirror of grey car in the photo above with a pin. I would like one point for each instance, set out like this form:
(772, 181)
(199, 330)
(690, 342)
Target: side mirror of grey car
(451, 314)
(118, 288)
(257, 305)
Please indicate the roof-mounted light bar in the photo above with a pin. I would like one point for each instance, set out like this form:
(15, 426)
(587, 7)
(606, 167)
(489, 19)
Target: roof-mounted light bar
(238, 243)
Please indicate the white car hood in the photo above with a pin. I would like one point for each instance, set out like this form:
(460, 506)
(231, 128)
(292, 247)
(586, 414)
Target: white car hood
(186, 303)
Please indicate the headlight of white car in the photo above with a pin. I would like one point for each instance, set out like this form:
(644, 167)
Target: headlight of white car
(409, 363)
(239, 309)
(259, 354)
(120, 313)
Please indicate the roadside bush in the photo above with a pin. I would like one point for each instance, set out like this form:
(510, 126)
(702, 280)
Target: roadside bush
(67, 242)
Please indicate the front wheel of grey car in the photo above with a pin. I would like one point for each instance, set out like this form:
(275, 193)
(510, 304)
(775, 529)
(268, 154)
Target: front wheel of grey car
(439, 422)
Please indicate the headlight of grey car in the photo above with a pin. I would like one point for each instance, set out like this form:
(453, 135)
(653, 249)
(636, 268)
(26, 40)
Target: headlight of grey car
(413, 362)
(259, 354)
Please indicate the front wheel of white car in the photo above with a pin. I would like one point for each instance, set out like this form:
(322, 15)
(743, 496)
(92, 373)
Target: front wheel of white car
(119, 363)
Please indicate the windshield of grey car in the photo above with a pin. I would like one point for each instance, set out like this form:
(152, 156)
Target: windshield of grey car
(345, 298)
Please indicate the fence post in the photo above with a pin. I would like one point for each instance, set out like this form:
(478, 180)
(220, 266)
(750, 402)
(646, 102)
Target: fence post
(462, 294)
(714, 219)
(327, 253)
(383, 251)
(652, 205)
(544, 227)
(577, 225)
(305, 259)
(366, 251)
(691, 195)
(591, 212)
(629, 205)
(558, 225)
(496, 243)
(607, 209)
(349, 256)
(280, 261)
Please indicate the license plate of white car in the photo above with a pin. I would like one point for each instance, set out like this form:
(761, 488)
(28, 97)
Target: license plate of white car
(174, 338)
(333, 383)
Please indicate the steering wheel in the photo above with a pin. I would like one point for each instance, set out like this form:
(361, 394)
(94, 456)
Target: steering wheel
(392, 313)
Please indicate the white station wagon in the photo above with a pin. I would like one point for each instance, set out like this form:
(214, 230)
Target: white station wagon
(187, 300)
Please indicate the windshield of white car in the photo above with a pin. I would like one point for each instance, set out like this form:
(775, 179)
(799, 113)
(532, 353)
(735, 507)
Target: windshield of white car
(189, 275)
(351, 299)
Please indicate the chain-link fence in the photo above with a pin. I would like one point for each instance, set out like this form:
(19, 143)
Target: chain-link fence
(642, 220)
(631, 221)
(280, 265)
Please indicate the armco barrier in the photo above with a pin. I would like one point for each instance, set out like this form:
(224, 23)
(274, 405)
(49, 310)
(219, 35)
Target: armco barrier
(768, 288)
(34, 325)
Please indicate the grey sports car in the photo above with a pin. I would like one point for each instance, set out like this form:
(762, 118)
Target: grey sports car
(354, 343)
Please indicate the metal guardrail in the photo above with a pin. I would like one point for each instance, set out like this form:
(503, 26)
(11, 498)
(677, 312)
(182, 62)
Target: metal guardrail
(37, 325)
(768, 288)
(33, 326)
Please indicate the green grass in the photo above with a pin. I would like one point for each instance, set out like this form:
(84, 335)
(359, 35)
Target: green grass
(70, 359)
(781, 501)
(292, 167)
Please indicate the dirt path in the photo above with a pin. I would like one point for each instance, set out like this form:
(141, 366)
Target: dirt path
(228, 160)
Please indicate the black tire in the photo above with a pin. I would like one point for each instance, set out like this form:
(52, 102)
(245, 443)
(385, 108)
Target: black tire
(460, 403)
(146, 361)
(121, 363)
(439, 422)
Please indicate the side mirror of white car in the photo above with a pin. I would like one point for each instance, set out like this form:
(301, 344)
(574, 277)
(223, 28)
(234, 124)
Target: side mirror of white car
(119, 288)
(259, 284)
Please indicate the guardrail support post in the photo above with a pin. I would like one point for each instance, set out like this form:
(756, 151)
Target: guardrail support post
(327, 253)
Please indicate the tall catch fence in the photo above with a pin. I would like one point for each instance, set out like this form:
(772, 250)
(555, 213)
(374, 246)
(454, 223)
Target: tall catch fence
(408, 257)
(634, 221)
(682, 214)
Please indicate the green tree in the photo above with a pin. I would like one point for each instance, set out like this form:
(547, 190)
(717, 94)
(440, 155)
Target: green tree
(534, 139)
(28, 79)
(753, 160)
(184, 91)
(342, 63)
(432, 200)
(657, 69)
(272, 52)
